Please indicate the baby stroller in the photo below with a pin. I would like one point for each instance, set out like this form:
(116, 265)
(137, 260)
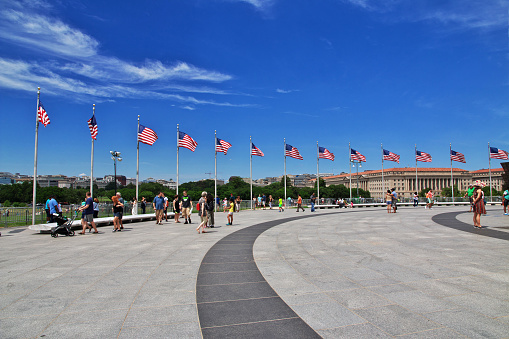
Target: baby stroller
(64, 225)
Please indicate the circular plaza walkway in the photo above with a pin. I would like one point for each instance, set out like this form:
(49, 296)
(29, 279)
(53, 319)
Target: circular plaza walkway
(358, 273)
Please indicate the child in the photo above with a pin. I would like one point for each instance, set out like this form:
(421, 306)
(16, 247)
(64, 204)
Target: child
(281, 205)
(230, 214)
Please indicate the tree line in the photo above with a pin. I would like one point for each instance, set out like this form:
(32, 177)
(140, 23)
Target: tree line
(21, 194)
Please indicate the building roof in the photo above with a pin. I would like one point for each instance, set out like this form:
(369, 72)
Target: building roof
(412, 169)
(487, 170)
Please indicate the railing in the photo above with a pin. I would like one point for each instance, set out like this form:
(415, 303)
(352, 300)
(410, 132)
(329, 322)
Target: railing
(18, 216)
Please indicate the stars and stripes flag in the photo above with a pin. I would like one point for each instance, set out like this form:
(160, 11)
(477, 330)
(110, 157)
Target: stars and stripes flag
(186, 141)
(92, 125)
(147, 135)
(354, 155)
(256, 151)
(293, 152)
(324, 153)
(388, 155)
(457, 156)
(421, 156)
(42, 115)
(497, 153)
(222, 146)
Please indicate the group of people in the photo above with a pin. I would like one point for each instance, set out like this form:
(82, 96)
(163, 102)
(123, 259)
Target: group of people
(391, 198)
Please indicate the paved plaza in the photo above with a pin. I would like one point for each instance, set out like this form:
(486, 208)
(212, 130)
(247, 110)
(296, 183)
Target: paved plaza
(356, 273)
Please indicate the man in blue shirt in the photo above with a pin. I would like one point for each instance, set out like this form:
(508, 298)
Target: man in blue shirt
(312, 199)
(158, 204)
(88, 215)
(52, 204)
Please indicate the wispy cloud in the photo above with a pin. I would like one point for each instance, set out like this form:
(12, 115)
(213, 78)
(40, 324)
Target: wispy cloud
(285, 91)
(189, 108)
(262, 5)
(74, 63)
(451, 14)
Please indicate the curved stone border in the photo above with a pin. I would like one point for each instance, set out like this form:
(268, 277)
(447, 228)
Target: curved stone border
(449, 220)
(233, 298)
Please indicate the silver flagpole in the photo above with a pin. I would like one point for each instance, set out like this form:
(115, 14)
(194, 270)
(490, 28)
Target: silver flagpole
(383, 182)
(489, 157)
(215, 166)
(137, 158)
(416, 180)
(284, 147)
(92, 161)
(251, 169)
(452, 178)
(177, 159)
(35, 155)
(317, 172)
(350, 162)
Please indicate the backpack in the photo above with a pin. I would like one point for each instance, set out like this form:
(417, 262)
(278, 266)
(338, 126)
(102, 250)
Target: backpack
(198, 207)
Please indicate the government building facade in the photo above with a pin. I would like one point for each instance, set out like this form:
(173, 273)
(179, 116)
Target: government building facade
(404, 180)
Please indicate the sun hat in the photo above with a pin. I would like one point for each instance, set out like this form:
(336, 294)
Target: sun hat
(479, 183)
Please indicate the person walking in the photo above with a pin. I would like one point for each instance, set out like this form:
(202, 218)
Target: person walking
(505, 201)
(121, 200)
(238, 200)
(394, 202)
(88, 214)
(143, 205)
(312, 198)
(416, 199)
(210, 210)
(158, 204)
(429, 198)
(118, 207)
(229, 218)
(96, 208)
(281, 205)
(187, 205)
(299, 204)
(176, 208)
(134, 210)
(478, 203)
(202, 212)
(166, 204)
(470, 195)
(52, 204)
(271, 201)
(388, 199)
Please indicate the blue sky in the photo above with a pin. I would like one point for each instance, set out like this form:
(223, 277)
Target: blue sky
(397, 72)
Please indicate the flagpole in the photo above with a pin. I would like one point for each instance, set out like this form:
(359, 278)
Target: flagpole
(92, 161)
(251, 169)
(284, 147)
(215, 166)
(383, 182)
(317, 172)
(137, 158)
(177, 159)
(416, 179)
(489, 157)
(35, 155)
(350, 162)
(452, 178)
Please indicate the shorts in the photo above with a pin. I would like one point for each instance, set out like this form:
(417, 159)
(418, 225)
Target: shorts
(389, 202)
(393, 203)
(430, 201)
(159, 213)
(506, 202)
(230, 213)
(186, 212)
(117, 215)
(88, 217)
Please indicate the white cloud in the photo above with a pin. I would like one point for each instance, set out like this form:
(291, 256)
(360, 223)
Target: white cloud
(189, 108)
(285, 91)
(259, 4)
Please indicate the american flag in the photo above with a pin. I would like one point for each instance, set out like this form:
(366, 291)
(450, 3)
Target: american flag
(186, 141)
(293, 152)
(388, 155)
(323, 153)
(497, 153)
(421, 156)
(222, 146)
(256, 151)
(92, 125)
(457, 156)
(354, 155)
(42, 115)
(146, 135)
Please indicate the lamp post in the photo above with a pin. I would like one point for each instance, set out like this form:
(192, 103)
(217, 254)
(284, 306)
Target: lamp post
(115, 156)
(357, 164)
